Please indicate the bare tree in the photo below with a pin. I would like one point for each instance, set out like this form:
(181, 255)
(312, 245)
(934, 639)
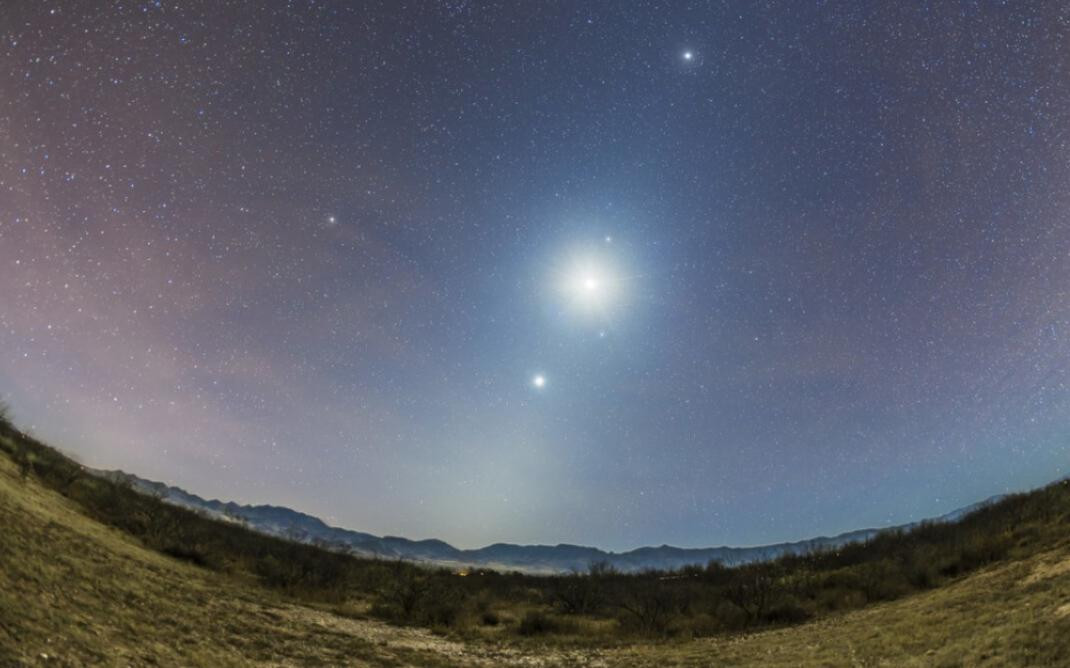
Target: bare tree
(5, 417)
(576, 594)
(582, 593)
(753, 589)
(406, 588)
(17, 447)
(601, 569)
(650, 604)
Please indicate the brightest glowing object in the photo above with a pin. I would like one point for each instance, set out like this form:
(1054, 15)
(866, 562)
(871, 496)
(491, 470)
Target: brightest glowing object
(588, 282)
(589, 285)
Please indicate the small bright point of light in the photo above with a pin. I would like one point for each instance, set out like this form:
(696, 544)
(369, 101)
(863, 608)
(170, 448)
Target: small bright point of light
(609, 239)
(590, 283)
(539, 381)
(689, 55)
(332, 220)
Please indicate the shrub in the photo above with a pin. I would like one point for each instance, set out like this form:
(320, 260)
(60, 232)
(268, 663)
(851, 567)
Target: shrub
(786, 612)
(440, 605)
(186, 554)
(838, 598)
(648, 604)
(701, 625)
(578, 594)
(5, 417)
(729, 615)
(537, 623)
(753, 588)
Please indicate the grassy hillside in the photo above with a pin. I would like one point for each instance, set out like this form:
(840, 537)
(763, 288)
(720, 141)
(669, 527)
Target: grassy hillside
(75, 592)
(153, 585)
(1010, 615)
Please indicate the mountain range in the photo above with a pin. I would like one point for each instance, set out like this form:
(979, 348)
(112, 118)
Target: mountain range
(563, 558)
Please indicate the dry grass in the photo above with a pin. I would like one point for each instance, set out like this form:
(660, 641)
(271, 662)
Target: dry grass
(73, 593)
(79, 593)
(1000, 617)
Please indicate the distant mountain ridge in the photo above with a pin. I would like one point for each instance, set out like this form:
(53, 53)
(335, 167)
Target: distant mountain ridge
(293, 525)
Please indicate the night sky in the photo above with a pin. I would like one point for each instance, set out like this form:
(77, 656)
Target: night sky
(610, 273)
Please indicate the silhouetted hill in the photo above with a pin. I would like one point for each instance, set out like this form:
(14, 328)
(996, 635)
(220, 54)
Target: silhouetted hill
(94, 571)
(562, 558)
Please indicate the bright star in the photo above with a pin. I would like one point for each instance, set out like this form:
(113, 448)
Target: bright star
(689, 55)
(331, 220)
(539, 381)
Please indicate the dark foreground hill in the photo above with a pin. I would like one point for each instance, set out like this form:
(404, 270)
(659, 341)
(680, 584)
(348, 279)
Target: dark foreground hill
(291, 524)
(92, 573)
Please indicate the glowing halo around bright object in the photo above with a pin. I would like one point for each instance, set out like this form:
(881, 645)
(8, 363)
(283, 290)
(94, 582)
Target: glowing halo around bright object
(589, 283)
(539, 381)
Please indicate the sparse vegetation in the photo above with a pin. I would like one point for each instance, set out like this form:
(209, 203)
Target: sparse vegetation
(539, 623)
(599, 608)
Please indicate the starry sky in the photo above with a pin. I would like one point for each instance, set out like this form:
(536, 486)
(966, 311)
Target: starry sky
(609, 273)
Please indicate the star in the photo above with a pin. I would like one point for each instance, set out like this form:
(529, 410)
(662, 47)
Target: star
(539, 381)
(689, 55)
(331, 220)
